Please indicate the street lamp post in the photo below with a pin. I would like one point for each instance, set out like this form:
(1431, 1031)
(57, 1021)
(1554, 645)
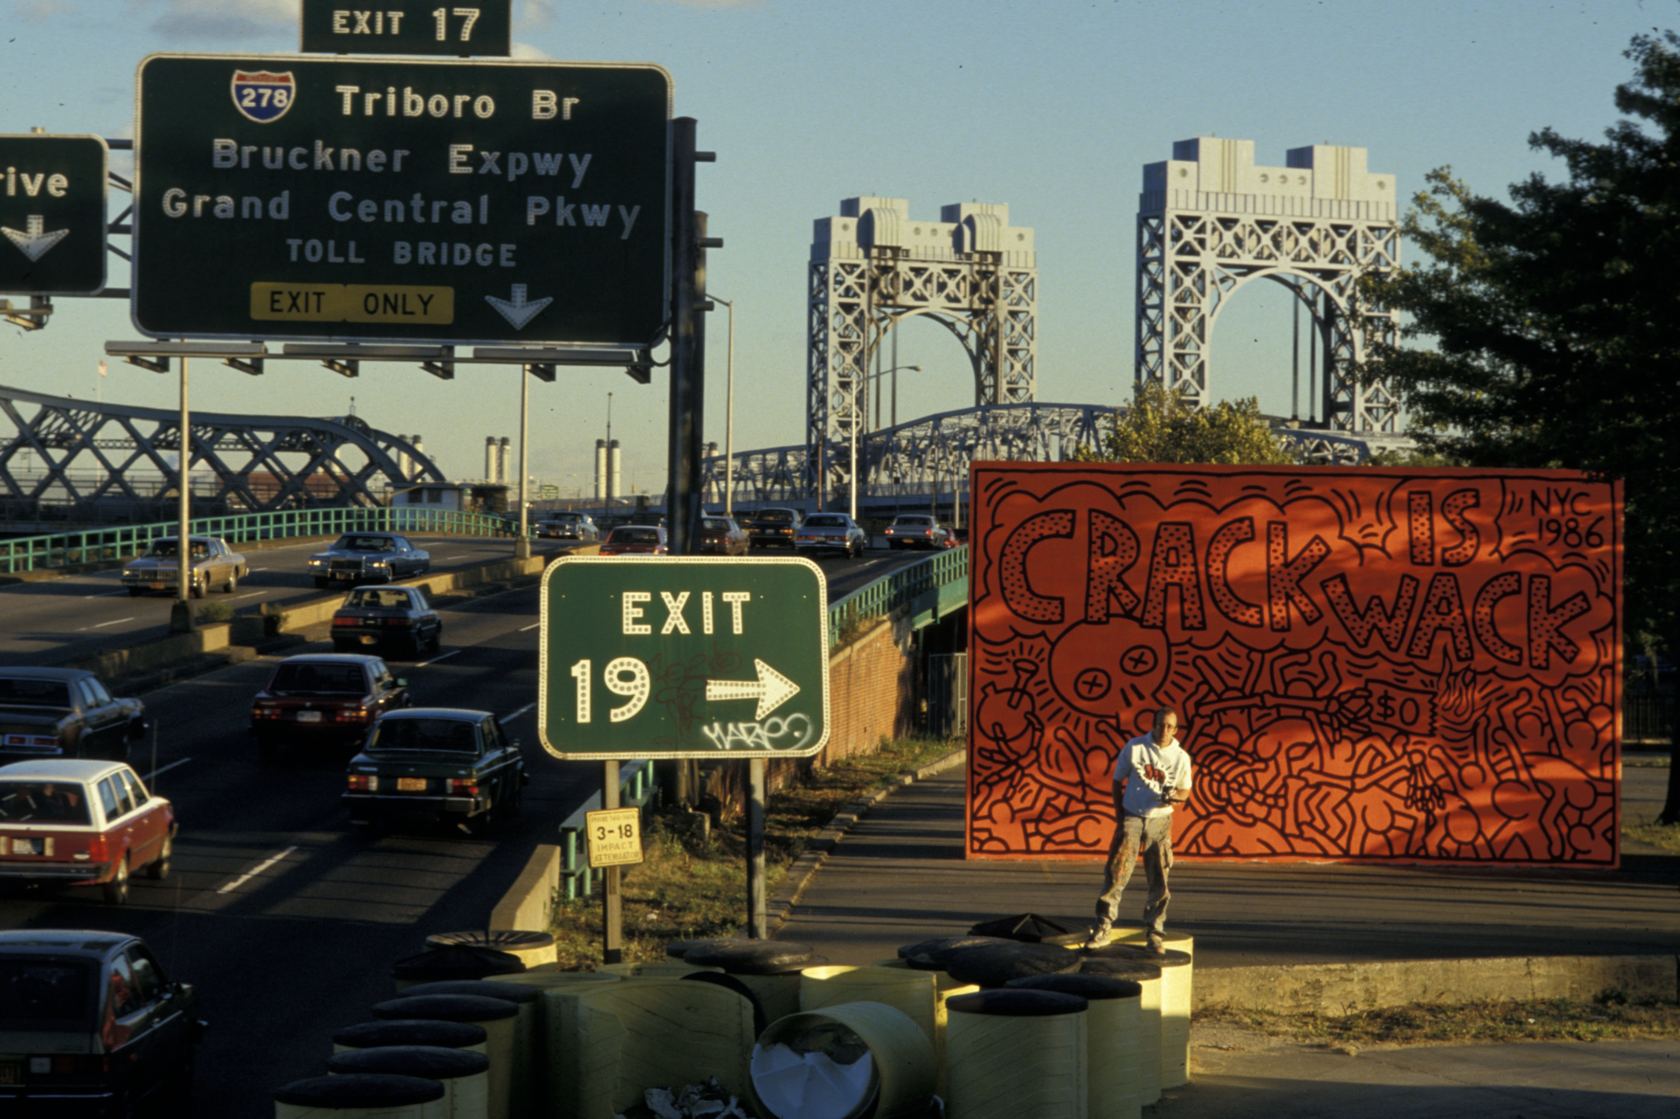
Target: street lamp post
(522, 547)
(728, 415)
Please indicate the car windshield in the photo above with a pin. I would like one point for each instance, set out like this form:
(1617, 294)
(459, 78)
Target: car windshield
(333, 679)
(775, 516)
(450, 735)
(363, 544)
(42, 802)
(33, 989)
(167, 549)
(635, 536)
(375, 600)
(23, 692)
(566, 518)
(825, 522)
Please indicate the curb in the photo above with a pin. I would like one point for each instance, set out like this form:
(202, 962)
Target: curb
(799, 875)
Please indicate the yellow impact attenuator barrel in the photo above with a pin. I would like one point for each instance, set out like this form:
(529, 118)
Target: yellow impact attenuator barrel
(1113, 1045)
(532, 948)
(913, 993)
(1014, 1053)
(1126, 964)
(527, 1028)
(844, 1060)
(495, 1015)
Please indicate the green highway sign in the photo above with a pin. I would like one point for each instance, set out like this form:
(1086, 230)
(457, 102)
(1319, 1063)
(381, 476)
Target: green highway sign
(400, 200)
(52, 214)
(408, 27)
(683, 657)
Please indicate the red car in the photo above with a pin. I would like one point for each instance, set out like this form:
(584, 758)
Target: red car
(635, 540)
(721, 535)
(82, 823)
(324, 697)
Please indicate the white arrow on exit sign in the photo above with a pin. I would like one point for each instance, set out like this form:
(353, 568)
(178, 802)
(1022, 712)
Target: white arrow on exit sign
(771, 689)
(34, 241)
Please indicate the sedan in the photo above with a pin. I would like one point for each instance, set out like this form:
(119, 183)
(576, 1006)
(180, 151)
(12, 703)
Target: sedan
(774, 528)
(324, 697)
(437, 764)
(214, 564)
(81, 823)
(568, 526)
(369, 556)
(635, 540)
(722, 536)
(395, 617)
(91, 1026)
(916, 530)
(64, 712)
(831, 532)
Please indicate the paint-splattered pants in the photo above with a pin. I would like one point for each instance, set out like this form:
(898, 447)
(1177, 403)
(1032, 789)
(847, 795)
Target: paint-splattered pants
(1153, 838)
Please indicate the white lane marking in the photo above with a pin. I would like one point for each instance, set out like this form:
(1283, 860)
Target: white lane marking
(516, 714)
(252, 594)
(532, 626)
(254, 871)
(112, 622)
(257, 568)
(106, 594)
(166, 768)
(435, 659)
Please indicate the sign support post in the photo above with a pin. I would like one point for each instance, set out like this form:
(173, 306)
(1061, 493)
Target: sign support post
(688, 353)
(180, 616)
(612, 914)
(758, 923)
(522, 546)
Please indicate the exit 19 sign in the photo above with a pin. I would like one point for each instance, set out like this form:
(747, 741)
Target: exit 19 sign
(683, 657)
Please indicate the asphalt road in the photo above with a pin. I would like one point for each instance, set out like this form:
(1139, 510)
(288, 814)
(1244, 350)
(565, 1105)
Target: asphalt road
(55, 620)
(285, 920)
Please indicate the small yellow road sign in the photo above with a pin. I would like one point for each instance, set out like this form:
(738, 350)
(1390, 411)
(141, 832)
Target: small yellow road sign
(615, 836)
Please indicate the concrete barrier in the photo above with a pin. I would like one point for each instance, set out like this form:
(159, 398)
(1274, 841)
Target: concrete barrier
(529, 902)
(1344, 988)
(151, 656)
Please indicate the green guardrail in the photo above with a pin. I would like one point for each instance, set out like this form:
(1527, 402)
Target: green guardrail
(33, 553)
(929, 590)
(636, 789)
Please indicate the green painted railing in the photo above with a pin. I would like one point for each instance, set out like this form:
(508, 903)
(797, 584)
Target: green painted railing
(929, 590)
(31, 553)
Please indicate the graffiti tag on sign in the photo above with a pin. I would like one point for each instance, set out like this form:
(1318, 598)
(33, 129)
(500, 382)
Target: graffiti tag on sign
(1368, 664)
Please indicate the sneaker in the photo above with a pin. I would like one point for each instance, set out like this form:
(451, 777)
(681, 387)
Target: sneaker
(1156, 946)
(1100, 936)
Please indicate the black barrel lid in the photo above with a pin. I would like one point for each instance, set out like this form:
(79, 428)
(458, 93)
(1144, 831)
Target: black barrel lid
(993, 965)
(1093, 987)
(1135, 970)
(1030, 928)
(933, 955)
(679, 949)
(757, 957)
(1172, 957)
(497, 940)
(461, 962)
(507, 992)
(359, 1090)
(410, 1031)
(432, 1061)
(448, 1008)
(1016, 1004)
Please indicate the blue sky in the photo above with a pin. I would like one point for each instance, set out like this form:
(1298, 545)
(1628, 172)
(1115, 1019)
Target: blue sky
(1051, 106)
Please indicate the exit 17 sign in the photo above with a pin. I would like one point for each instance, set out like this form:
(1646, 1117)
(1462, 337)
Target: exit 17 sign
(683, 657)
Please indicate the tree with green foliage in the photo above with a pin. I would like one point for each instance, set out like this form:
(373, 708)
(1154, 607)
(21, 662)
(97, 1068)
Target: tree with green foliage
(1162, 427)
(1553, 322)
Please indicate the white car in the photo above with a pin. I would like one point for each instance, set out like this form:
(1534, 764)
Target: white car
(568, 526)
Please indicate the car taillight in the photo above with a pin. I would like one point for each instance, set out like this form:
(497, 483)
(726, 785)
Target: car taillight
(364, 782)
(98, 848)
(58, 1065)
(338, 621)
(351, 714)
(31, 741)
(927, 532)
(265, 712)
(399, 621)
(463, 786)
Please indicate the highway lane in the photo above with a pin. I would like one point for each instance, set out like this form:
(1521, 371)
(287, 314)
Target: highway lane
(78, 615)
(284, 918)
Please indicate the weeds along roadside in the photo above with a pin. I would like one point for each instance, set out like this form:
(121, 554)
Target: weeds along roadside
(688, 887)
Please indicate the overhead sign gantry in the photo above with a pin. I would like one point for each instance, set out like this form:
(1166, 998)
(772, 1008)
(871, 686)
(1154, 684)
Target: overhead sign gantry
(411, 200)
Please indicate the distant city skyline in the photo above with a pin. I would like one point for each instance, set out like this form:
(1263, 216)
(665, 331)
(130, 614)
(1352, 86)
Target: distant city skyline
(1052, 108)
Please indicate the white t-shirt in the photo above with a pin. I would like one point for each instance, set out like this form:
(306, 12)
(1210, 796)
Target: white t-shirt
(1149, 771)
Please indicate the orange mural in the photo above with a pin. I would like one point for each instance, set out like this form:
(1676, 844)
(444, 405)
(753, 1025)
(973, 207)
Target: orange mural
(1369, 664)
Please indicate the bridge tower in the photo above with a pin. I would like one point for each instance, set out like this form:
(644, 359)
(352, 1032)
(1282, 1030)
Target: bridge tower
(873, 267)
(1210, 221)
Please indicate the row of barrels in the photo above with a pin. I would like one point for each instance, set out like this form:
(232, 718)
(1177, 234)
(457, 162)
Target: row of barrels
(992, 1027)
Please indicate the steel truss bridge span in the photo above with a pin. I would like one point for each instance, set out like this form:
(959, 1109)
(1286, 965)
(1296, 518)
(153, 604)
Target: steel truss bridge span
(916, 461)
(67, 460)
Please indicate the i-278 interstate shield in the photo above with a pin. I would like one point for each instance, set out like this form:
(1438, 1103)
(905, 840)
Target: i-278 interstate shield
(411, 200)
(683, 657)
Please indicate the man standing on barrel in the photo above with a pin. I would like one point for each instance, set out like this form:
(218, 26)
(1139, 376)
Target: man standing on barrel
(1151, 778)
